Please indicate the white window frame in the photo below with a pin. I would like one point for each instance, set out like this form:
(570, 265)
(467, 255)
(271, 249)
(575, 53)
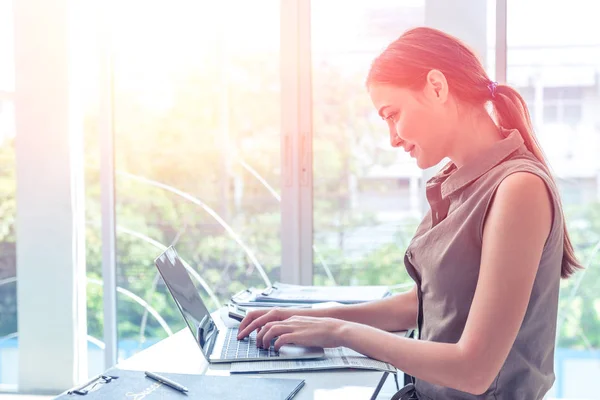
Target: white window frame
(107, 185)
(296, 143)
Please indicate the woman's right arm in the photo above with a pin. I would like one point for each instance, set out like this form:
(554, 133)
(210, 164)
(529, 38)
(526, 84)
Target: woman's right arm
(395, 313)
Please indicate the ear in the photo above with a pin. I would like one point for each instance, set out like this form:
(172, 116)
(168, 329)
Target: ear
(437, 86)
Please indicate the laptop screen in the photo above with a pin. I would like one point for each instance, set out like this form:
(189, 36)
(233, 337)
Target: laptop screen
(187, 298)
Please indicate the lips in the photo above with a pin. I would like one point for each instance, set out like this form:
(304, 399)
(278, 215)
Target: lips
(409, 148)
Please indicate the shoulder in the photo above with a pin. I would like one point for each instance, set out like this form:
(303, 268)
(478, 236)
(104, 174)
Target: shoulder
(523, 181)
(523, 199)
(523, 186)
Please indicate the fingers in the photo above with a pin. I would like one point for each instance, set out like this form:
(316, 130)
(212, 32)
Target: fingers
(260, 334)
(286, 338)
(271, 331)
(254, 324)
(250, 316)
(256, 320)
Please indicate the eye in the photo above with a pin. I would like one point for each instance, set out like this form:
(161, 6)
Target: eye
(392, 117)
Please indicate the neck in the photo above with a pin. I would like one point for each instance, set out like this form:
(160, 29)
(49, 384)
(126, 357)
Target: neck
(474, 134)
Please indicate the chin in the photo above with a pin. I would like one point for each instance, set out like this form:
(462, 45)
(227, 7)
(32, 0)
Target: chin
(424, 163)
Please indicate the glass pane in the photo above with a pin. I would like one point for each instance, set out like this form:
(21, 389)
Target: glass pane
(366, 194)
(7, 66)
(560, 67)
(550, 113)
(571, 114)
(8, 266)
(197, 119)
(9, 344)
(554, 93)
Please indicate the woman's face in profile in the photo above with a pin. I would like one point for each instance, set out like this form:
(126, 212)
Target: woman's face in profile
(416, 122)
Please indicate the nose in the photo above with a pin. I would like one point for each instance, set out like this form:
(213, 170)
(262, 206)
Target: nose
(395, 140)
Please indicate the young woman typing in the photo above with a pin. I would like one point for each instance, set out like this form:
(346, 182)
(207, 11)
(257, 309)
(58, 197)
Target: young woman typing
(488, 256)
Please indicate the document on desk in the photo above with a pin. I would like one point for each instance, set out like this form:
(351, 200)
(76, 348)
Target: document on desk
(287, 293)
(336, 358)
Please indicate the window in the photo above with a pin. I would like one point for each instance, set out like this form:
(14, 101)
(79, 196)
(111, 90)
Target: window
(563, 105)
(197, 154)
(368, 197)
(366, 194)
(8, 285)
(557, 72)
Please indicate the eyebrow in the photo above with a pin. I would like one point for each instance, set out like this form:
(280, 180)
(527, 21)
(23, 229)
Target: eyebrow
(381, 110)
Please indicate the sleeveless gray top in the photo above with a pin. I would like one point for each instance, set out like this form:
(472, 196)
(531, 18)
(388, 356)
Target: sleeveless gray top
(443, 259)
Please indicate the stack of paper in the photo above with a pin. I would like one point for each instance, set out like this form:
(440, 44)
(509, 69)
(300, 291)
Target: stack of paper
(336, 358)
(280, 294)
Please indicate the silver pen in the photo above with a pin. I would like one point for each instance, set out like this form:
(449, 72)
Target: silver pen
(166, 381)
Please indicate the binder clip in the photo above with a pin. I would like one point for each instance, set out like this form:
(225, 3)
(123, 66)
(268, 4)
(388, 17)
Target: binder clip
(93, 385)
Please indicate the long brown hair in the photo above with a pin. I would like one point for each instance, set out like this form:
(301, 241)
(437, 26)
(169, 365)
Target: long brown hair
(406, 62)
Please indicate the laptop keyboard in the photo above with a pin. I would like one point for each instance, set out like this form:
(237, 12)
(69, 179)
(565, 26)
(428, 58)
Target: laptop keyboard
(246, 348)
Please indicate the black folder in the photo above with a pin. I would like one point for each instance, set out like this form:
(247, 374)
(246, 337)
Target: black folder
(124, 384)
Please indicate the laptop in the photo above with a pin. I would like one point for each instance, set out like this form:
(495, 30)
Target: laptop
(217, 345)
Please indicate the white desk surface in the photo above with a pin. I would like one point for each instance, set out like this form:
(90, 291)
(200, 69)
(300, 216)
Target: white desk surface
(180, 354)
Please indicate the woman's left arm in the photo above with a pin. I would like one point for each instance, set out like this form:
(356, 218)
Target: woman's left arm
(515, 231)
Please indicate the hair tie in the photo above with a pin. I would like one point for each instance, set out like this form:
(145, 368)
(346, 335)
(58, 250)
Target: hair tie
(493, 87)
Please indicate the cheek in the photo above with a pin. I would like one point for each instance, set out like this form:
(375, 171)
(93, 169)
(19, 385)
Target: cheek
(426, 130)
(418, 127)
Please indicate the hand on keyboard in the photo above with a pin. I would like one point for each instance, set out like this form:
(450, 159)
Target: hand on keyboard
(245, 348)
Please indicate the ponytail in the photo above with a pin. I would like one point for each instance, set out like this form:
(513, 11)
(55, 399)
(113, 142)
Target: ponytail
(511, 113)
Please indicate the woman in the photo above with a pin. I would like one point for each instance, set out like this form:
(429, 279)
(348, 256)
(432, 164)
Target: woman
(488, 256)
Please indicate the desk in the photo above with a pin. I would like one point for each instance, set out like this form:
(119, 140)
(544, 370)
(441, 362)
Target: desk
(180, 354)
